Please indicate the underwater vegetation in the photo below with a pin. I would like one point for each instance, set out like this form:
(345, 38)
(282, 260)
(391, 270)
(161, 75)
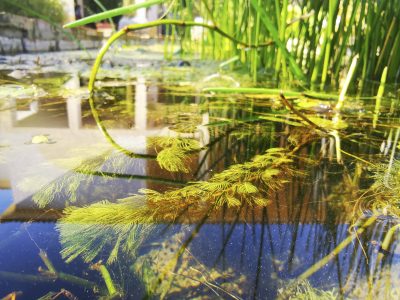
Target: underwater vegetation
(302, 184)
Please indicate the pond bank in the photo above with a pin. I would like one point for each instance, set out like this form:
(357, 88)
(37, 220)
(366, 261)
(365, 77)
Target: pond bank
(26, 35)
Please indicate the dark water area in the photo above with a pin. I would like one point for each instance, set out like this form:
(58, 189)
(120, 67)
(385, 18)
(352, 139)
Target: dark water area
(177, 194)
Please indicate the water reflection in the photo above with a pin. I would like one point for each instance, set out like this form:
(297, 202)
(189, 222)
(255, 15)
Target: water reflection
(178, 239)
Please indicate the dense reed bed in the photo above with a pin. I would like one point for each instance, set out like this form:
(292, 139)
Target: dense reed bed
(318, 37)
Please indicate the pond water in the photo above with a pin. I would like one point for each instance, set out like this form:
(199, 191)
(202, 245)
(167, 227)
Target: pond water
(162, 191)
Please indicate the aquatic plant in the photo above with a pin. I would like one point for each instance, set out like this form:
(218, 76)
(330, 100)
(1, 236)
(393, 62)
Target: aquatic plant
(123, 226)
(312, 41)
(126, 224)
(174, 152)
(303, 290)
(188, 279)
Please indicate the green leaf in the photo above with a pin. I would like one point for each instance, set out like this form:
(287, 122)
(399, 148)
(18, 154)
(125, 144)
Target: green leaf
(112, 13)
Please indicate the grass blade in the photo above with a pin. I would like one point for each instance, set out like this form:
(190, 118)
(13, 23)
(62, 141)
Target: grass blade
(112, 13)
(297, 72)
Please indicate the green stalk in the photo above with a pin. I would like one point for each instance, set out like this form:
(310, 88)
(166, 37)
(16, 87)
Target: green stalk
(394, 59)
(365, 53)
(385, 45)
(381, 90)
(112, 290)
(328, 38)
(112, 13)
(255, 54)
(386, 243)
(134, 27)
(346, 83)
(278, 51)
(339, 248)
(282, 31)
(343, 46)
(257, 91)
(295, 69)
(47, 262)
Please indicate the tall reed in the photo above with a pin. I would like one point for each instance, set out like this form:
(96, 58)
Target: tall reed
(314, 40)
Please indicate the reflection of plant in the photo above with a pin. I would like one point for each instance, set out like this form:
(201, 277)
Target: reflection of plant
(174, 152)
(68, 185)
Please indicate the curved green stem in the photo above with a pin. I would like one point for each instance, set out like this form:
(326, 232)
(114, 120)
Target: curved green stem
(121, 33)
(134, 27)
(109, 138)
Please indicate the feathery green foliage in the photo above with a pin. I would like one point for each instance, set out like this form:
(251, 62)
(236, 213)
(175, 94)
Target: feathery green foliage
(88, 231)
(174, 153)
(123, 226)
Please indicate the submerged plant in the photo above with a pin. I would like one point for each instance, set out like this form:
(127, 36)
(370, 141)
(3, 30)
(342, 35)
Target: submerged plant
(126, 224)
(174, 153)
(87, 231)
(189, 279)
(303, 290)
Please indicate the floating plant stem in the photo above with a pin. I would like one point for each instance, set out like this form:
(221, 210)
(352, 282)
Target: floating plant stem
(257, 91)
(381, 90)
(24, 277)
(301, 115)
(43, 278)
